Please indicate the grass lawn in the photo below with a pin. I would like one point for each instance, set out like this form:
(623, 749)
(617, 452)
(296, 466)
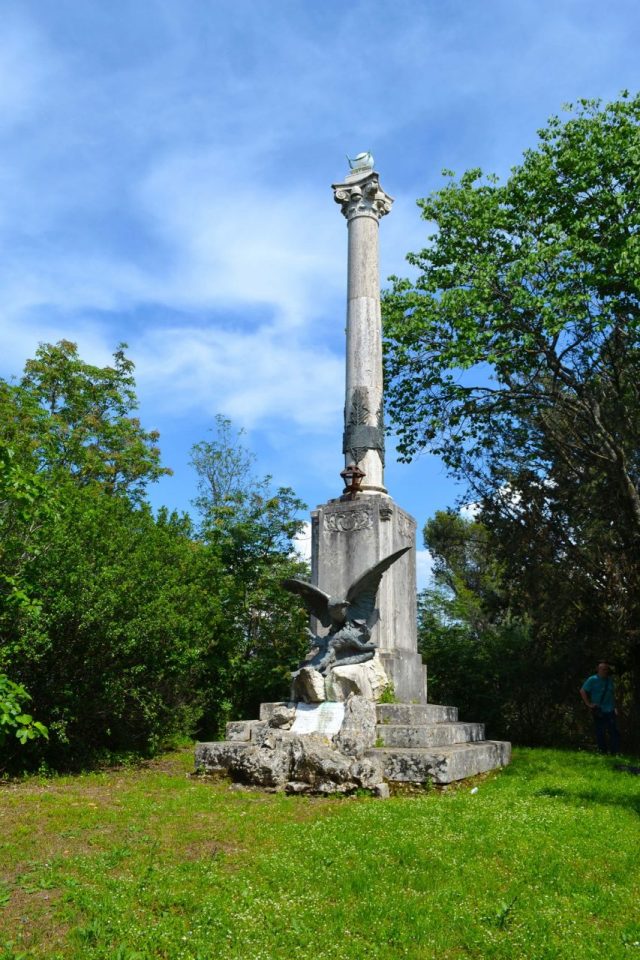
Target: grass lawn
(133, 864)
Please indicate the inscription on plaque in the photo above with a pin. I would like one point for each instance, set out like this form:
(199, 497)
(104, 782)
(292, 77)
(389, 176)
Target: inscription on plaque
(324, 718)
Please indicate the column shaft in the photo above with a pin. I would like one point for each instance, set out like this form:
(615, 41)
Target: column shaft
(363, 203)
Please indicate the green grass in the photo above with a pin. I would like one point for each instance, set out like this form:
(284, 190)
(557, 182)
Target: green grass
(543, 861)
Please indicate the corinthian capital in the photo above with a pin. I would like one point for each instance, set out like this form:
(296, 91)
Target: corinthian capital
(361, 196)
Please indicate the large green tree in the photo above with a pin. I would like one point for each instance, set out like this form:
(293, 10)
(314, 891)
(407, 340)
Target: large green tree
(75, 419)
(514, 353)
(250, 528)
(124, 627)
(502, 658)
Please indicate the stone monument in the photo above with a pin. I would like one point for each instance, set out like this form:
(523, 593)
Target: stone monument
(357, 530)
(334, 734)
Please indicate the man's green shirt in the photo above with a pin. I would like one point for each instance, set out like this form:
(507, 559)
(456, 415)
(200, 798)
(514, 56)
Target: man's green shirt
(600, 690)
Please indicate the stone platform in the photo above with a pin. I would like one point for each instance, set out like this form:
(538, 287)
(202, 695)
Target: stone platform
(421, 743)
(398, 743)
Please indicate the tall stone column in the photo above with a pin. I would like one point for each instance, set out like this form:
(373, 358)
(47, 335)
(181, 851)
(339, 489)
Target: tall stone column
(354, 532)
(363, 203)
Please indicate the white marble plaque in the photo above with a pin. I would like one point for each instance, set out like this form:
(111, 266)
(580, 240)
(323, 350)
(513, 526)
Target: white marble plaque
(324, 718)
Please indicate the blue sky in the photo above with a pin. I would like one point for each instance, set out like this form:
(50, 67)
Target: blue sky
(165, 171)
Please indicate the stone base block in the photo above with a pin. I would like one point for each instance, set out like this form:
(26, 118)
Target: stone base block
(428, 734)
(407, 674)
(267, 755)
(242, 729)
(416, 743)
(441, 765)
(413, 713)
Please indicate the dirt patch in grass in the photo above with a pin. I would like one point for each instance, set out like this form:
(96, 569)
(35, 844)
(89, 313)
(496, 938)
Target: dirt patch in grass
(208, 850)
(30, 917)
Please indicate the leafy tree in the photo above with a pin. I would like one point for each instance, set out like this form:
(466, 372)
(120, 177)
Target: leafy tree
(126, 628)
(25, 505)
(515, 355)
(101, 612)
(518, 343)
(485, 650)
(112, 653)
(250, 529)
(75, 419)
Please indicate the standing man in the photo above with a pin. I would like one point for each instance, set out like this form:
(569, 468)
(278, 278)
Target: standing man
(599, 695)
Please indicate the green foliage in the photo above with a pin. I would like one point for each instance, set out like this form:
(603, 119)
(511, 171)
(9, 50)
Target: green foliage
(388, 695)
(75, 419)
(515, 355)
(14, 722)
(250, 529)
(25, 507)
(531, 287)
(83, 625)
(130, 629)
(112, 653)
(493, 652)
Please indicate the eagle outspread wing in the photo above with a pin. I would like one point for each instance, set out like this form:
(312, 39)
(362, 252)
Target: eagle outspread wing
(363, 592)
(316, 600)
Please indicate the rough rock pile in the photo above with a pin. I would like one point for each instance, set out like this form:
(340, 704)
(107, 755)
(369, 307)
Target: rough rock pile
(274, 757)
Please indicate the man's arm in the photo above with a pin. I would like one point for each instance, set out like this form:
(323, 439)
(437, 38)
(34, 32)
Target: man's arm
(585, 697)
(584, 693)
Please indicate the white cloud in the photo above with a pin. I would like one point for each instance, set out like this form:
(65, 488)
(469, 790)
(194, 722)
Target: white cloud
(251, 376)
(302, 543)
(236, 240)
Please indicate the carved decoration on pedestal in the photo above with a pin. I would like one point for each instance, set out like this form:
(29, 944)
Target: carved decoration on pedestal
(344, 521)
(406, 525)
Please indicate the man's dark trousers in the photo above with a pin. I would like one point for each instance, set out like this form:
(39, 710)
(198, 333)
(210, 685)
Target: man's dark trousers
(607, 736)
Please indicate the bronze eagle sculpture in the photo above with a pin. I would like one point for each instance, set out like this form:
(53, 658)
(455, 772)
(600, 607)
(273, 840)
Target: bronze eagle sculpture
(349, 620)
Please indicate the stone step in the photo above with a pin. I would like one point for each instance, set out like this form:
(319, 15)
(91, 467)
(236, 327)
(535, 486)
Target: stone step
(441, 765)
(414, 713)
(267, 709)
(243, 730)
(428, 734)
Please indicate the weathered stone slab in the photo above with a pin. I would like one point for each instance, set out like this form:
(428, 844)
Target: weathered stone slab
(282, 716)
(415, 713)
(245, 762)
(282, 760)
(241, 729)
(429, 734)
(358, 731)
(415, 765)
(268, 709)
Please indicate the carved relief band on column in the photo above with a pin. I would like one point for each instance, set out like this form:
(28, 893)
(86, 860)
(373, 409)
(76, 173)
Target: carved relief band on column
(360, 434)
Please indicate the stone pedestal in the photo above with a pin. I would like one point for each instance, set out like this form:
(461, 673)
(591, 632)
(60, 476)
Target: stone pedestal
(349, 537)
